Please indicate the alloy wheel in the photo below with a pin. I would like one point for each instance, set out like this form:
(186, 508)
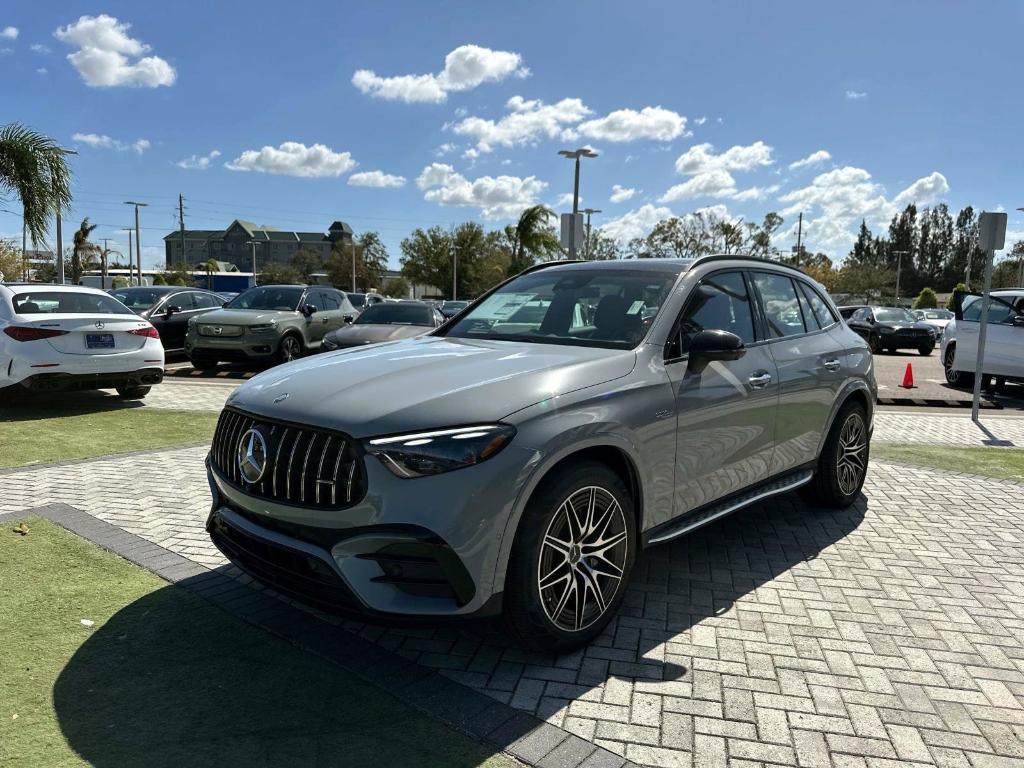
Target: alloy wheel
(952, 375)
(289, 348)
(582, 559)
(851, 462)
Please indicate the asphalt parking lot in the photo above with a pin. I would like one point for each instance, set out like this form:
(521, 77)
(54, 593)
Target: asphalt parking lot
(930, 382)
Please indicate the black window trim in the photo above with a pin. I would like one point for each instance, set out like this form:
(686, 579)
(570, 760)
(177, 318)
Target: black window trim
(795, 280)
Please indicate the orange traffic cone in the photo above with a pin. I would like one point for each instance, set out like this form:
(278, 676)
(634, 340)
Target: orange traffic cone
(908, 378)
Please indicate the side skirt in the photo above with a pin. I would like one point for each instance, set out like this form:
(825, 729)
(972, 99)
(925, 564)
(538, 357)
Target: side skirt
(702, 516)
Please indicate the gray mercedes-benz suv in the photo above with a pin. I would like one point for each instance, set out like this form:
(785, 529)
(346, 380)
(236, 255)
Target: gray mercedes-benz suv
(518, 458)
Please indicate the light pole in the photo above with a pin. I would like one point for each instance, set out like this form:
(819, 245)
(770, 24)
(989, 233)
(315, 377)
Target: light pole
(575, 154)
(131, 253)
(1020, 277)
(586, 249)
(455, 269)
(899, 266)
(254, 243)
(352, 243)
(138, 241)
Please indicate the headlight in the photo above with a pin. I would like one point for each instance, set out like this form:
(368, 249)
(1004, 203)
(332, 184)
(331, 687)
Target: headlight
(262, 327)
(884, 329)
(328, 344)
(442, 450)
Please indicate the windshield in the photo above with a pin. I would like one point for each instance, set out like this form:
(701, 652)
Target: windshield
(938, 315)
(268, 297)
(358, 299)
(583, 307)
(395, 314)
(66, 302)
(894, 315)
(139, 299)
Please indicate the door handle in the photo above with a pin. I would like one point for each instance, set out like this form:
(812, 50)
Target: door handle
(760, 379)
(831, 365)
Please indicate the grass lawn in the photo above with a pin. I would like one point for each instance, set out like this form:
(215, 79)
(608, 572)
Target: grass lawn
(1002, 463)
(32, 434)
(162, 678)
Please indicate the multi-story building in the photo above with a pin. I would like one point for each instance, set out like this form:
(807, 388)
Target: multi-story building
(235, 244)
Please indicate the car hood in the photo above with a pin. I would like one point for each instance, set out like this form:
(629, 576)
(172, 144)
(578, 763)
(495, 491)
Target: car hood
(425, 383)
(370, 333)
(246, 316)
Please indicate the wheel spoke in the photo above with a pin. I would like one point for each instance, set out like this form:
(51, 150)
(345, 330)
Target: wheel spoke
(580, 604)
(560, 572)
(590, 585)
(558, 544)
(600, 547)
(602, 566)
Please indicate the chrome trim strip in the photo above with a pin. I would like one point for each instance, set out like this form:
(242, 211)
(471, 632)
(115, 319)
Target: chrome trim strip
(320, 468)
(334, 477)
(305, 465)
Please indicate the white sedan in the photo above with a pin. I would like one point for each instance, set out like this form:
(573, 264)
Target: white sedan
(56, 337)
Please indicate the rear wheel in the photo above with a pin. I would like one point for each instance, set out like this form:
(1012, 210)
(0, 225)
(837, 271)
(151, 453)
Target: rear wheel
(132, 393)
(926, 349)
(875, 344)
(204, 365)
(571, 560)
(954, 377)
(289, 349)
(843, 463)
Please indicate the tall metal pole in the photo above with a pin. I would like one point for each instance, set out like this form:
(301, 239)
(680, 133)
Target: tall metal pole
(181, 225)
(1020, 277)
(455, 270)
(252, 243)
(352, 243)
(799, 238)
(138, 240)
(899, 270)
(982, 333)
(60, 251)
(103, 264)
(24, 249)
(575, 154)
(131, 254)
(586, 244)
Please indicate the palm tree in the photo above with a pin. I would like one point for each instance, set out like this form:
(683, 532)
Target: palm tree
(211, 266)
(530, 239)
(34, 170)
(82, 252)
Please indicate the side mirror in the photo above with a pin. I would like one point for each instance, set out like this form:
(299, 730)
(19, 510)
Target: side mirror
(308, 309)
(1018, 321)
(708, 346)
(171, 310)
(349, 319)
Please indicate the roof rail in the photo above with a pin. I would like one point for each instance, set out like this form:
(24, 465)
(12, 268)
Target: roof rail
(744, 257)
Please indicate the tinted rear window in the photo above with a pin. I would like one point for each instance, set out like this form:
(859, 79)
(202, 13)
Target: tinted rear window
(396, 314)
(67, 302)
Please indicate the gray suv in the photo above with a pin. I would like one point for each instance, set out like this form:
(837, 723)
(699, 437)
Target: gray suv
(520, 457)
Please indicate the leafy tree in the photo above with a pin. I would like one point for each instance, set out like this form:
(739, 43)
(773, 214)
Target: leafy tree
(210, 267)
(530, 239)
(279, 274)
(177, 274)
(603, 247)
(863, 281)
(396, 288)
(83, 253)
(926, 299)
(864, 252)
(34, 170)
(10, 261)
(371, 263)
(759, 238)
(159, 280)
(307, 261)
(965, 247)
(950, 305)
(428, 257)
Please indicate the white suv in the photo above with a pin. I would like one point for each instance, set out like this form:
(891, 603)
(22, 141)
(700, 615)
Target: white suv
(1004, 342)
(58, 337)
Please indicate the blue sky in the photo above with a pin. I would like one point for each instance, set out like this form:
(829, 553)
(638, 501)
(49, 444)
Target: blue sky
(689, 105)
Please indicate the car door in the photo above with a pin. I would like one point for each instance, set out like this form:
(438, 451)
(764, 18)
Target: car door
(334, 302)
(174, 313)
(860, 324)
(725, 415)
(1004, 338)
(316, 323)
(810, 369)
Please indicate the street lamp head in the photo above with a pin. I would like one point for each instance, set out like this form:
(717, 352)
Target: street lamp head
(575, 154)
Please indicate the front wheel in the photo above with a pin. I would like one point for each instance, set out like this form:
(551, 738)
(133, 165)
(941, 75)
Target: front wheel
(875, 344)
(843, 463)
(289, 349)
(571, 558)
(204, 365)
(926, 350)
(132, 393)
(955, 378)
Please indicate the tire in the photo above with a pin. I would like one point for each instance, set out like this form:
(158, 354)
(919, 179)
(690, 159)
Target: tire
(955, 378)
(132, 393)
(875, 344)
(203, 365)
(549, 618)
(837, 483)
(289, 348)
(925, 351)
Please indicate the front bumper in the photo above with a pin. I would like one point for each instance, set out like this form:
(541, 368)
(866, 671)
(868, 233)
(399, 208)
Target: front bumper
(231, 349)
(50, 382)
(426, 547)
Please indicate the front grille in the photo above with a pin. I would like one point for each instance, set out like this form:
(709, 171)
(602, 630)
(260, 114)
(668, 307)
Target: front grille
(221, 330)
(304, 466)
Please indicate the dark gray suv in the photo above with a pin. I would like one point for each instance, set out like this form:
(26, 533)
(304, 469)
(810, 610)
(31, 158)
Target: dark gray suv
(520, 457)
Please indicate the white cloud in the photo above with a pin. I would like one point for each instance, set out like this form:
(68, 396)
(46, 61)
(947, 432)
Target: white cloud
(41, 71)
(5, 51)
(375, 179)
(856, 95)
(39, 48)
(713, 183)
(701, 157)
(834, 203)
(636, 223)
(654, 123)
(755, 193)
(102, 141)
(465, 68)
(105, 54)
(565, 199)
(497, 197)
(445, 149)
(198, 162)
(526, 123)
(700, 120)
(621, 194)
(293, 158)
(815, 158)
(9, 33)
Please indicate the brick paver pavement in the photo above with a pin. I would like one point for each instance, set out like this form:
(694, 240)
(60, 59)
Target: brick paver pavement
(889, 634)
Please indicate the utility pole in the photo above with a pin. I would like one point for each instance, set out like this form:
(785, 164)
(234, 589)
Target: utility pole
(455, 269)
(799, 238)
(252, 244)
(1020, 277)
(970, 253)
(899, 269)
(60, 251)
(586, 248)
(352, 243)
(103, 263)
(575, 154)
(138, 240)
(181, 224)
(131, 258)
(24, 249)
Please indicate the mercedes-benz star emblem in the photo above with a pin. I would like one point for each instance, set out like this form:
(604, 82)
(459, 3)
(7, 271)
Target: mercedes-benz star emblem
(100, 324)
(218, 330)
(252, 456)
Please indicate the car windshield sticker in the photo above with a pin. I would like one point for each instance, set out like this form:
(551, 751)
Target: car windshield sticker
(635, 307)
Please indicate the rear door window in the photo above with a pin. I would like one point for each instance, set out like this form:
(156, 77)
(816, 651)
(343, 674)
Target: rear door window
(819, 307)
(781, 305)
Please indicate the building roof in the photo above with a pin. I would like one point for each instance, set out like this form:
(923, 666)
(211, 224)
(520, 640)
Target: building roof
(265, 232)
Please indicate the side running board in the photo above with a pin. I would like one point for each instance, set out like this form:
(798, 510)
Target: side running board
(693, 521)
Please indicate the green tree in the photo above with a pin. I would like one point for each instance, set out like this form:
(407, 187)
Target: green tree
(371, 257)
(603, 247)
(863, 253)
(965, 247)
(863, 281)
(759, 238)
(531, 239)
(279, 274)
(10, 261)
(397, 288)
(83, 253)
(159, 280)
(926, 299)
(179, 273)
(950, 304)
(210, 267)
(306, 262)
(34, 170)
(428, 257)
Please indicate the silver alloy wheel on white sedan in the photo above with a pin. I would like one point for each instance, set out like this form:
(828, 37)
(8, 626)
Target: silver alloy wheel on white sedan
(851, 461)
(583, 558)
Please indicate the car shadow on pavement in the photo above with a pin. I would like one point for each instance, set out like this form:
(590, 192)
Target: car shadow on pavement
(170, 680)
(30, 406)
